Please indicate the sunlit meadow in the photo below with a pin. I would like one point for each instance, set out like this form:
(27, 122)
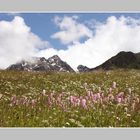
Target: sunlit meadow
(96, 99)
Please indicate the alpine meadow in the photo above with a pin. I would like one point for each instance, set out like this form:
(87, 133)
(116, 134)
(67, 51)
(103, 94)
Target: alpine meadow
(70, 70)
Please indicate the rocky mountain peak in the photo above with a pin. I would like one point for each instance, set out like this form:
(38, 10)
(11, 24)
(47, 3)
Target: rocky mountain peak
(53, 63)
(82, 68)
(55, 57)
(43, 59)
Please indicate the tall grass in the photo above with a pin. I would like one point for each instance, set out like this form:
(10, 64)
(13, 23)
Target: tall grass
(97, 99)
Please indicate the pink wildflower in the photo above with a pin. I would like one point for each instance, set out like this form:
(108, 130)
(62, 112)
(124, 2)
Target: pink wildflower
(83, 103)
(74, 100)
(13, 100)
(86, 97)
(21, 101)
(94, 98)
(33, 102)
(98, 95)
(119, 100)
(27, 102)
(121, 94)
(58, 100)
(49, 101)
(78, 102)
(71, 99)
(110, 90)
(81, 97)
(91, 94)
(17, 102)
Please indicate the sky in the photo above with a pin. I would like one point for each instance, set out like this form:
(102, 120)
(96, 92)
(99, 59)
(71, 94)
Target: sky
(77, 38)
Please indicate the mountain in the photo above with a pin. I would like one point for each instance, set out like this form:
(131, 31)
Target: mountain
(122, 60)
(53, 63)
(82, 68)
(125, 60)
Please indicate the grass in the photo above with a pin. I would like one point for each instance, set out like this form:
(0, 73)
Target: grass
(97, 99)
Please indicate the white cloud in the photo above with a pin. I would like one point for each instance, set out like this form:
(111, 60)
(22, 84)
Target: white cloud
(111, 37)
(115, 35)
(17, 41)
(70, 30)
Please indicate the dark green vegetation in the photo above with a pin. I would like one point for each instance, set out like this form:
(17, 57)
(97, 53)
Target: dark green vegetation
(39, 99)
(123, 60)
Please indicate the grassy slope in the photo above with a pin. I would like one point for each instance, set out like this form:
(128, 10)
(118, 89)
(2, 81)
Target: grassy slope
(32, 84)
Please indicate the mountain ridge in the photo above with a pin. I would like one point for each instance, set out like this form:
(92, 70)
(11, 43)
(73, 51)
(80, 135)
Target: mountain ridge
(53, 63)
(124, 60)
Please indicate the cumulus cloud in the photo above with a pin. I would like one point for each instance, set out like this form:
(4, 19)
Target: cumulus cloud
(17, 41)
(70, 30)
(111, 37)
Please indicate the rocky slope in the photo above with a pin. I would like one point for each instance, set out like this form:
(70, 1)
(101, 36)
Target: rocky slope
(53, 63)
(82, 68)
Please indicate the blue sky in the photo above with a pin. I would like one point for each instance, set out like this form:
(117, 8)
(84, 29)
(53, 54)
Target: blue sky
(42, 23)
(77, 38)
